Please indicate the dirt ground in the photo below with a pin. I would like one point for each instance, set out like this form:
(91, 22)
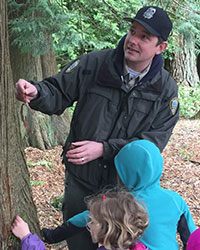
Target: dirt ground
(181, 174)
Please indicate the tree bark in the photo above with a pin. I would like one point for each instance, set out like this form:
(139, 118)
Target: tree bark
(48, 62)
(183, 67)
(15, 190)
(198, 65)
(45, 131)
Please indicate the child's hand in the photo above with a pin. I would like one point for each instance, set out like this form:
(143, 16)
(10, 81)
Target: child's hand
(20, 228)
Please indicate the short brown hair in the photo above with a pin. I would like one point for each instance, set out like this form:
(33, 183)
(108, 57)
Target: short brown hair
(160, 40)
(122, 219)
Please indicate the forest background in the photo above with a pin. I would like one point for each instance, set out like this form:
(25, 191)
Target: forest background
(39, 37)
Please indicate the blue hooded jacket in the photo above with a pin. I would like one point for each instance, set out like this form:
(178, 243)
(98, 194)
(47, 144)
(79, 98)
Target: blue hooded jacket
(139, 165)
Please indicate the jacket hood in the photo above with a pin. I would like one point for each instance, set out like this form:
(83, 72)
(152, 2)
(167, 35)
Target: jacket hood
(139, 165)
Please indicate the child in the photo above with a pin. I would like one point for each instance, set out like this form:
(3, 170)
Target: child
(117, 221)
(28, 241)
(139, 165)
(194, 240)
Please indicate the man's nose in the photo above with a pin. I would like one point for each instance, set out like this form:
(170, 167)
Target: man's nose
(133, 39)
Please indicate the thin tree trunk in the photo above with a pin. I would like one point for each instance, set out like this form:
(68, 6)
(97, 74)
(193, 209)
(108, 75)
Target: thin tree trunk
(198, 65)
(183, 67)
(45, 131)
(48, 62)
(15, 191)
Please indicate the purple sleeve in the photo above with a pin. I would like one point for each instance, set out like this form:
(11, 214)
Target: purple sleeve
(140, 246)
(32, 242)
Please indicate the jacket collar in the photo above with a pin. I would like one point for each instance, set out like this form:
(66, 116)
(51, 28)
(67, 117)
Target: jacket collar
(111, 77)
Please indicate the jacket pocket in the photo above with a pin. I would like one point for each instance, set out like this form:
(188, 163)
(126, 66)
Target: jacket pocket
(143, 110)
(94, 114)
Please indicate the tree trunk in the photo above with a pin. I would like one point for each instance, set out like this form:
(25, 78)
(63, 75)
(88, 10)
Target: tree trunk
(15, 191)
(45, 131)
(48, 62)
(183, 67)
(198, 65)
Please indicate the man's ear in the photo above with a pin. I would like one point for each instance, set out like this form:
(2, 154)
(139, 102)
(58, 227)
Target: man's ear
(161, 47)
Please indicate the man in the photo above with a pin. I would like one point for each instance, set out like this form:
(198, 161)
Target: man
(122, 95)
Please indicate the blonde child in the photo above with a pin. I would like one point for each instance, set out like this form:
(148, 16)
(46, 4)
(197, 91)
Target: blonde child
(117, 221)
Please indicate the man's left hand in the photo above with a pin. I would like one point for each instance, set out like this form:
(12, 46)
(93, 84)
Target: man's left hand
(84, 151)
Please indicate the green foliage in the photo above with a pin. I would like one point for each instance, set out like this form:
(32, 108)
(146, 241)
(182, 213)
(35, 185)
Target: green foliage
(185, 16)
(99, 25)
(189, 99)
(189, 22)
(172, 46)
(42, 162)
(71, 109)
(186, 153)
(76, 27)
(32, 24)
(34, 183)
(57, 202)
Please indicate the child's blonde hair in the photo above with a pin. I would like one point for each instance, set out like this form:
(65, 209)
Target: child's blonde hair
(122, 219)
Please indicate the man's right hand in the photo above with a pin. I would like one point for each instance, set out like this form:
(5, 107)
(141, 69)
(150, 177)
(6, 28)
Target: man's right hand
(25, 91)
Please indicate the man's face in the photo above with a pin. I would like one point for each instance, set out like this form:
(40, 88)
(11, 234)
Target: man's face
(140, 47)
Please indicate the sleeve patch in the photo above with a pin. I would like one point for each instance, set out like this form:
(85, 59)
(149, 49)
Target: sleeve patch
(173, 105)
(72, 66)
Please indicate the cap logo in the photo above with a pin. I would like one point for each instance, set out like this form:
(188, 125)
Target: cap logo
(149, 13)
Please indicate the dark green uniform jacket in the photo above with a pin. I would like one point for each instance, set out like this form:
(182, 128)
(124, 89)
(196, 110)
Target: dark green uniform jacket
(107, 111)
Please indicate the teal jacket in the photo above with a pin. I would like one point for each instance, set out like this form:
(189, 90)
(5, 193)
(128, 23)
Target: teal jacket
(139, 165)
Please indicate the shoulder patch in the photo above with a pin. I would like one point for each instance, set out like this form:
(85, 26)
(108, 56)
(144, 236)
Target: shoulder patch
(72, 66)
(173, 105)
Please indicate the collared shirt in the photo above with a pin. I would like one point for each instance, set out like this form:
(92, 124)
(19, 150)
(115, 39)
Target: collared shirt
(133, 77)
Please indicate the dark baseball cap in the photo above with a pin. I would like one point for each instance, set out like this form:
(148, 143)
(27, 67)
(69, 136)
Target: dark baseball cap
(153, 19)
